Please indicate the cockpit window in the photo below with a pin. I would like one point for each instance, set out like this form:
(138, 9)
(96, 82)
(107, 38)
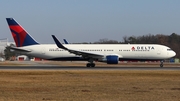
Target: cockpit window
(169, 49)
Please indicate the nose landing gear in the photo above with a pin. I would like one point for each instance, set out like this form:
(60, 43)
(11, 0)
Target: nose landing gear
(161, 65)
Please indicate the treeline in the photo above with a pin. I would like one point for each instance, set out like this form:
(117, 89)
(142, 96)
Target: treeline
(171, 41)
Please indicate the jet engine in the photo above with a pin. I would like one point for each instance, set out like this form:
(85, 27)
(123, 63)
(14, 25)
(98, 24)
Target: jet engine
(110, 59)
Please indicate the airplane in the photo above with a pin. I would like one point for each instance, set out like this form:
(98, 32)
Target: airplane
(108, 53)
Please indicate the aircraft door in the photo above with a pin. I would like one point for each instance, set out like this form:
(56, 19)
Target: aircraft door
(43, 50)
(159, 51)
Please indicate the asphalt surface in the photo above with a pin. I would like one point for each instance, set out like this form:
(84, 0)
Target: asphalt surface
(46, 65)
(83, 68)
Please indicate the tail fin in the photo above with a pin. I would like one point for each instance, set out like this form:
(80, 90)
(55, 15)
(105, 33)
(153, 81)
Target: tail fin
(21, 37)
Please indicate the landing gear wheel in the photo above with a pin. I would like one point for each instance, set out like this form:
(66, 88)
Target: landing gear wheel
(93, 65)
(90, 65)
(161, 65)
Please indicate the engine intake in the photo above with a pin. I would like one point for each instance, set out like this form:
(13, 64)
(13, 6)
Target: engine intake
(112, 59)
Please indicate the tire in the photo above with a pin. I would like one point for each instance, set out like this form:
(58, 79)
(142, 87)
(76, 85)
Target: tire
(161, 65)
(93, 65)
(88, 65)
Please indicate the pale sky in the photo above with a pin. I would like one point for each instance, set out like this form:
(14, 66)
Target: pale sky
(90, 20)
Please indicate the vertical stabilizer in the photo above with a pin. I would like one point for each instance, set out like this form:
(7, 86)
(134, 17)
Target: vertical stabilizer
(21, 37)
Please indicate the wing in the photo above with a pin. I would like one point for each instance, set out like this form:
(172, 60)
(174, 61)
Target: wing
(83, 54)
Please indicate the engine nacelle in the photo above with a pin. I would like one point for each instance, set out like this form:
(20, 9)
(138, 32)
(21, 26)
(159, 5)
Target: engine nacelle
(110, 59)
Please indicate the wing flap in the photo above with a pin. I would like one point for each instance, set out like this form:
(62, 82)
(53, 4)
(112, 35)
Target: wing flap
(85, 54)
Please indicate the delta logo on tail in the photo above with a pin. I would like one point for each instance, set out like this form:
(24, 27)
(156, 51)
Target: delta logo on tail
(21, 37)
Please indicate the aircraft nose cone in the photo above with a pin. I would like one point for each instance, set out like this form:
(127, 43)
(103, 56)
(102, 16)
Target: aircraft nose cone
(173, 53)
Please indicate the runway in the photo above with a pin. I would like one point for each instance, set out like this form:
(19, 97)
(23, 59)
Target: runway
(83, 68)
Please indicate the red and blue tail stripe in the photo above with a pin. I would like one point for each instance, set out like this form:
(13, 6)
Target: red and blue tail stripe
(21, 37)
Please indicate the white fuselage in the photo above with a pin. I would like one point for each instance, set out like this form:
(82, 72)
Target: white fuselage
(124, 51)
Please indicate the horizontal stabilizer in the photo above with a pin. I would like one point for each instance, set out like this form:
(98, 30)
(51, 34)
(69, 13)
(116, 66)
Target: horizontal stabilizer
(19, 49)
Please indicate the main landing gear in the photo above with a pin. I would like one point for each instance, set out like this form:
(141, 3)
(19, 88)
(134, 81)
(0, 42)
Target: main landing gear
(161, 65)
(90, 64)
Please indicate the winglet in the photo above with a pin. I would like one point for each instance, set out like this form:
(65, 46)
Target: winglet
(65, 41)
(58, 43)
